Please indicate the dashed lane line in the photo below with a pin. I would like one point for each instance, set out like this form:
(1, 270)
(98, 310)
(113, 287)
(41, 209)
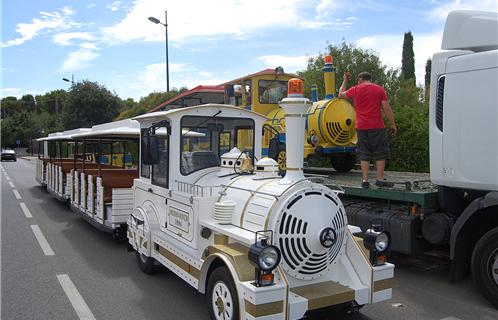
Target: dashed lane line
(11, 184)
(79, 305)
(42, 241)
(16, 194)
(25, 210)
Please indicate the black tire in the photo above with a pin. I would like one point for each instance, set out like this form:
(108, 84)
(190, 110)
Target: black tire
(222, 286)
(119, 234)
(146, 264)
(343, 162)
(485, 266)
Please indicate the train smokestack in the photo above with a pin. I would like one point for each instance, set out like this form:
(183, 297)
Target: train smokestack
(329, 77)
(295, 107)
(314, 93)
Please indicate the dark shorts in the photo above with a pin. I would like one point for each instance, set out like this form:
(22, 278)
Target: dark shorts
(372, 144)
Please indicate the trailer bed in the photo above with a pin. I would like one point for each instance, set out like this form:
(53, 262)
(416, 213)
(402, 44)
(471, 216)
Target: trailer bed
(408, 186)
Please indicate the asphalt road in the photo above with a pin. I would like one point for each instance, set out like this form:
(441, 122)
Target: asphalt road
(80, 273)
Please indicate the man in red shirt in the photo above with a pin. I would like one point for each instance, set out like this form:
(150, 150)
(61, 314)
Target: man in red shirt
(368, 98)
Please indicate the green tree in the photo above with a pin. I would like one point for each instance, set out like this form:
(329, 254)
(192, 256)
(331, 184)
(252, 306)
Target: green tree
(406, 94)
(20, 126)
(427, 83)
(408, 58)
(10, 106)
(410, 146)
(89, 103)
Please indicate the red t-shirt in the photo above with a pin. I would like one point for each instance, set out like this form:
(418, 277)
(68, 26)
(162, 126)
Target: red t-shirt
(367, 98)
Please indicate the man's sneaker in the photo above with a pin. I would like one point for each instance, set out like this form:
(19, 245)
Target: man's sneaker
(365, 184)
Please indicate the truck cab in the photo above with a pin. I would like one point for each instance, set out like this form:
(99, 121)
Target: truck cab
(464, 143)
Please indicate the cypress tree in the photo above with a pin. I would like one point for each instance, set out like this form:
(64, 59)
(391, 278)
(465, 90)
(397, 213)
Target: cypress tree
(428, 66)
(408, 58)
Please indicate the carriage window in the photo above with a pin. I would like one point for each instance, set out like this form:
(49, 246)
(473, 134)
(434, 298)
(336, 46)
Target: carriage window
(224, 143)
(272, 91)
(245, 139)
(204, 139)
(160, 170)
(144, 169)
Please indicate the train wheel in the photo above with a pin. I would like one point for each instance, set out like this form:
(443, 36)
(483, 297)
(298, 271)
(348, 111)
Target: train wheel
(485, 266)
(343, 162)
(146, 264)
(222, 296)
(119, 234)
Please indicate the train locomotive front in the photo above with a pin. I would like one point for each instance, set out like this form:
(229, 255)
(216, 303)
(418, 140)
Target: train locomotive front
(313, 260)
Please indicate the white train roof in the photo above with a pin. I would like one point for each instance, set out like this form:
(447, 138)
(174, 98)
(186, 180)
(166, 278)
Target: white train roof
(201, 110)
(127, 128)
(65, 135)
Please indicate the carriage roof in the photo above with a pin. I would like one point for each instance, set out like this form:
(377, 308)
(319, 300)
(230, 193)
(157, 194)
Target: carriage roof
(126, 128)
(201, 110)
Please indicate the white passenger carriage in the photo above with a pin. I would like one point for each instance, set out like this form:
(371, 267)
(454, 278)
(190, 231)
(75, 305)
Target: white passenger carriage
(102, 189)
(43, 159)
(52, 169)
(260, 246)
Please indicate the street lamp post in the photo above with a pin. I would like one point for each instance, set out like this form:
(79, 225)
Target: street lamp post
(72, 79)
(165, 24)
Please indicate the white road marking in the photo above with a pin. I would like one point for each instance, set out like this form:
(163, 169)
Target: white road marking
(76, 299)
(11, 184)
(47, 250)
(16, 194)
(25, 210)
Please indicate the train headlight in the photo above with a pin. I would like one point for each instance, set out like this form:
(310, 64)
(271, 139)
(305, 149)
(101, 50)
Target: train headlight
(269, 258)
(382, 242)
(377, 243)
(265, 258)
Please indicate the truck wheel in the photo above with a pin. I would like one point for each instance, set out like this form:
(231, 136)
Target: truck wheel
(485, 266)
(146, 264)
(222, 299)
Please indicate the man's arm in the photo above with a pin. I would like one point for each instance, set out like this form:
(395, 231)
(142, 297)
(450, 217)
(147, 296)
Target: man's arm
(342, 89)
(390, 116)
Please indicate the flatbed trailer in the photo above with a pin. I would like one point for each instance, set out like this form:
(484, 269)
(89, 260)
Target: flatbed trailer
(408, 187)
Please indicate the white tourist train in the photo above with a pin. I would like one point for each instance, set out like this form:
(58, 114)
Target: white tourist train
(258, 245)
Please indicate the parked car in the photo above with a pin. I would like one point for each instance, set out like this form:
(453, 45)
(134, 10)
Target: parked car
(8, 154)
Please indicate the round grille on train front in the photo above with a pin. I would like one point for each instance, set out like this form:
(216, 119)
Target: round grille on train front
(307, 218)
(338, 123)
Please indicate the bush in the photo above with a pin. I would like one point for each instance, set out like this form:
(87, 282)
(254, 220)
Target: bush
(410, 147)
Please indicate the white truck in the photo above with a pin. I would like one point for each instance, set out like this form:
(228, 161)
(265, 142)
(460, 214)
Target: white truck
(464, 143)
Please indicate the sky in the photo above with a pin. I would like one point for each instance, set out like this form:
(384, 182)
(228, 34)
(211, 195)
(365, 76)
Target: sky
(209, 42)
